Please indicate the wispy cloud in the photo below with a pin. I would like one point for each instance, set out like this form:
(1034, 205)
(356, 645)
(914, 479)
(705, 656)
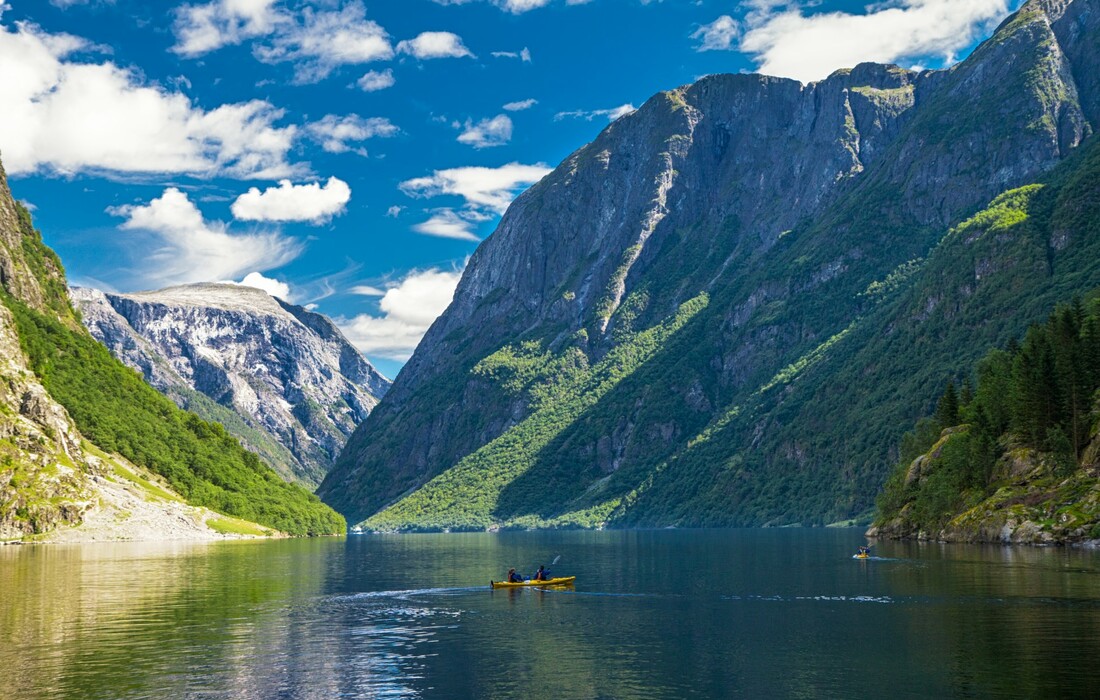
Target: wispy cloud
(523, 54)
(490, 189)
(187, 248)
(520, 105)
(336, 133)
(487, 133)
(486, 193)
(408, 308)
(612, 113)
(310, 202)
(318, 41)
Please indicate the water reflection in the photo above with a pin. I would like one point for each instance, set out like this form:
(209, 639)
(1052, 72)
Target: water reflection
(655, 614)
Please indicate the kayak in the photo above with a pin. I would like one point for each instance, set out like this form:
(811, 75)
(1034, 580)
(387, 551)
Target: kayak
(561, 581)
(861, 556)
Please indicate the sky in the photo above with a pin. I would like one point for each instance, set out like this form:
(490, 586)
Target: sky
(349, 156)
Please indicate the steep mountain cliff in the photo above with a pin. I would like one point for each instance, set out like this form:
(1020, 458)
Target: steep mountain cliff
(650, 335)
(85, 442)
(280, 378)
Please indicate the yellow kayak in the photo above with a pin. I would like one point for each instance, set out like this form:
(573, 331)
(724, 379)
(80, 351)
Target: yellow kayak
(561, 581)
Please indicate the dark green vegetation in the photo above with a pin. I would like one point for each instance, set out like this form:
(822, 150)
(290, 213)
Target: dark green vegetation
(115, 409)
(1024, 433)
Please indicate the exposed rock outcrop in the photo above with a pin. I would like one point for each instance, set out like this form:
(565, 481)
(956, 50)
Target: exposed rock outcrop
(298, 386)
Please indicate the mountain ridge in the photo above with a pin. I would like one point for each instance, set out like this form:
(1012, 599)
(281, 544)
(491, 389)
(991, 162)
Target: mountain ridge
(691, 194)
(296, 385)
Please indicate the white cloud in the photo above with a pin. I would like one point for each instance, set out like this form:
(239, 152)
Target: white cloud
(288, 202)
(514, 6)
(520, 105)
(69, 117)
(487, 132)
(366, 290)
(491, 189)
(190, 249)
(318, 42)
(203, 28)
(408, 308)
(612, 114)
(445, 223)
(719, 35)
(334, 133)
(272, 286)
(394, 211)
(523, 55)
(374, 80)
(434, 45)
(784, 42)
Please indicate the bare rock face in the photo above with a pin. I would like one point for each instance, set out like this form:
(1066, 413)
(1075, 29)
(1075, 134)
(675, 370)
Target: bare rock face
(298, 388)
(780, 202)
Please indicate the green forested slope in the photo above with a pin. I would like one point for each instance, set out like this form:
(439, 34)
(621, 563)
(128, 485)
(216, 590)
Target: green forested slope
(114, 408)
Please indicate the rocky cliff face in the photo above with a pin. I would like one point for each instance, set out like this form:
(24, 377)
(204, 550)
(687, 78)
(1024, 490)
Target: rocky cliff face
(297, 386)
(773, 205)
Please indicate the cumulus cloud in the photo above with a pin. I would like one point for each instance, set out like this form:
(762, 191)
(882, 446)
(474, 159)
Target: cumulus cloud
(719, 35)
(373, 80)
(320, 41)
(394, 211)
(487, 132)
(491, 189)
(272, 286)
(67, 116)
(335, 133)
(520, 105)
(191, 249)
(408, 308)
(289, 202)
(612, 114)
(200, 29)
(785, 42)
(434, 45)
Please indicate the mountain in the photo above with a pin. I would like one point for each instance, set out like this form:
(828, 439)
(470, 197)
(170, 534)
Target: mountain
(701, 317)
(280, 378)
(88, 450)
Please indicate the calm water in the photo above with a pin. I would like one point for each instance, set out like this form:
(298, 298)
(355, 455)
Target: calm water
(655, 614)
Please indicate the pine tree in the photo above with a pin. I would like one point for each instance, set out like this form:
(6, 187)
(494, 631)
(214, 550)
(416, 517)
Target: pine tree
(947, 410)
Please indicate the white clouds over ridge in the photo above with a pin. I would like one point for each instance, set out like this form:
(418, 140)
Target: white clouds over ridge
(785, 42)
(486, 192)
(408, 309)
(192, 249)
(288, 202)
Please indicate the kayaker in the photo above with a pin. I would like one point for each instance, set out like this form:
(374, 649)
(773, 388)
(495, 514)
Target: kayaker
(514, 577)
(542, 574)
(864, 551)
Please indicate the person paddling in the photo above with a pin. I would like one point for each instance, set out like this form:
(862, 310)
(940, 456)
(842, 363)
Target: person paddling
(514, 577)
(542, 574)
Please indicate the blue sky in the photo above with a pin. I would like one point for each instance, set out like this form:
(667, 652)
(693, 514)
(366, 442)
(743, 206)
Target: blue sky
(350, 155)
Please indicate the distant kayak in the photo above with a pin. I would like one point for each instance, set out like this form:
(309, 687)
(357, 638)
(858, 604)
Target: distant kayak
(861, 556)
(563, 581)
